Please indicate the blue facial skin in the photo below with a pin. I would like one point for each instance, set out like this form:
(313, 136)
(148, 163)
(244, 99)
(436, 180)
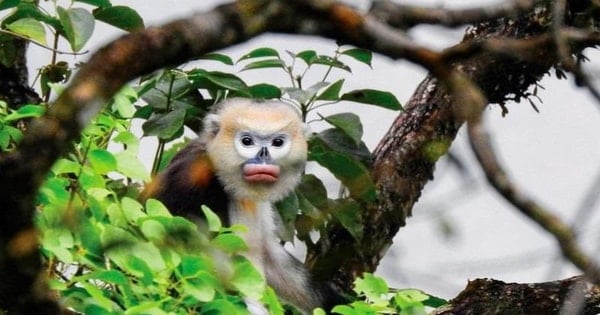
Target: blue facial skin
(262, 157)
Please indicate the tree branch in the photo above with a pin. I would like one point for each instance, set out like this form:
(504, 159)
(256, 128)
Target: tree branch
(493, 297)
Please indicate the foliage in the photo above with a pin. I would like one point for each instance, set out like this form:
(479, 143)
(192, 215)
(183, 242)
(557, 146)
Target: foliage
(73, 22)
(377, 298)
(109, 254)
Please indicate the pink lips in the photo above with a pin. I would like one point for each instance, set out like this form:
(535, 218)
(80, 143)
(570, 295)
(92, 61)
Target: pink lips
(261, 173)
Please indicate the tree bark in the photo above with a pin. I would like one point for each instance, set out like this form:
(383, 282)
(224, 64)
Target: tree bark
(493, 297)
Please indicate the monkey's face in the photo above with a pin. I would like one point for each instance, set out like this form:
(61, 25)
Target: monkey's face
(259, 150)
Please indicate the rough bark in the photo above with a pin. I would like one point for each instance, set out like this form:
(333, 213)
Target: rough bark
(493, 297)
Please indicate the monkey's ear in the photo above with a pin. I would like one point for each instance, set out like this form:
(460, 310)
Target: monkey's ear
(212, 124)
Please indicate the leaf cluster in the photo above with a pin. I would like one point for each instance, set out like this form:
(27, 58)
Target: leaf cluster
(73, 22)
(375, 297)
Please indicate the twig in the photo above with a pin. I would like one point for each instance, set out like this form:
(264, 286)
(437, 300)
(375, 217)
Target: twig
(497, 177)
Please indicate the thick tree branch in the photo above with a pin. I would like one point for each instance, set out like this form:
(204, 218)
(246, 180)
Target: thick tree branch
(493, 297)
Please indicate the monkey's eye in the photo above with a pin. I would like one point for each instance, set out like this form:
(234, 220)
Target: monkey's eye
(247, 140)
(278, 142)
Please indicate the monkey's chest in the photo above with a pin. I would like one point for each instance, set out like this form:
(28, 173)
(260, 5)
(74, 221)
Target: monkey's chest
(260, 233)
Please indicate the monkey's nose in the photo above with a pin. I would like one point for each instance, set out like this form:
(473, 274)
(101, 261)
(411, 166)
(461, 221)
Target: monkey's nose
(263, 155)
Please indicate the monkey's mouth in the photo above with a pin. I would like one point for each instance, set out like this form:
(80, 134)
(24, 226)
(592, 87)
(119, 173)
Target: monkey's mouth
(261, 173)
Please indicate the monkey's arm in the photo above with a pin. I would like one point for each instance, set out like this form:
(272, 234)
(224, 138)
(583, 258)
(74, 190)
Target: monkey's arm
(189, 182)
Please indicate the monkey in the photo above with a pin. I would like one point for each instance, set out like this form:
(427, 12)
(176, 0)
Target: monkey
(250, 154)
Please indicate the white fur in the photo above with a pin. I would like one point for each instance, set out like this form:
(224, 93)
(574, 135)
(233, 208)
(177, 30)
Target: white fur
(285, 275)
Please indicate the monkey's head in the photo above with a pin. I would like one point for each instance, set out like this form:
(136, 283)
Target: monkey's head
(258, 148)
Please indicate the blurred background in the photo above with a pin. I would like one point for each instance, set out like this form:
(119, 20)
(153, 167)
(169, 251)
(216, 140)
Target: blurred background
(460, 228)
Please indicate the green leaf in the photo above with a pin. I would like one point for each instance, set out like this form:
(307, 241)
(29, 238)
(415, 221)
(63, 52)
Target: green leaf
(58, 242)
(373, 97)
(137, 266)
(30, 28)
(259, 53)
(132, 209)
(152, 229)
(247, 279)
(434, 301)
(78, 24)
(343, 310)
(199, 288)
(348, 123)
(269, 63)
(303, 96)
(6, 4)
(264, 91)
(124, 101)
(312, 188)
(122, 17)
(157, 208)
(27, 111)
(146, 307)
(218, 57)
(98, 296)
(223, 306)
(128, 139)
(130, 165)
(373, 288)
(165, 126)
(332, 93)
(64, 166)
(347, 212)
(288, 211)
(90, 179)
(216, 80)
(363, 55)
(336, 140)
(192, 266)
(97, 3)
(329, 61)
(307, 56)
(229, 243)
(408, 297)
(102, 161)
(89, 236)
(212, 219)
(169, 91)
(272, 302)
(352, 173)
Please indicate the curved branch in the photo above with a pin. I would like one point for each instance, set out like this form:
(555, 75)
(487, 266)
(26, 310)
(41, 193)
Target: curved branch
(497, 177)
